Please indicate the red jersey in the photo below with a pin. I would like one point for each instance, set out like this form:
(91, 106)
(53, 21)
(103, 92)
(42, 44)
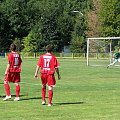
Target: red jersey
(15, 61)
(48, 63)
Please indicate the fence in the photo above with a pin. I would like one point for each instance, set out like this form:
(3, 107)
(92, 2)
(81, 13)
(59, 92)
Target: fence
(61, 55)
(57, 54)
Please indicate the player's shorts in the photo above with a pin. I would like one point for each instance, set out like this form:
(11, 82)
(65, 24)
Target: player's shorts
(12, 77)
(48, 79)
(116, 60)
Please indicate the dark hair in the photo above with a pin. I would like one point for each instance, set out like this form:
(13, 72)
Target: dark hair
(13, 47)
(49, 48)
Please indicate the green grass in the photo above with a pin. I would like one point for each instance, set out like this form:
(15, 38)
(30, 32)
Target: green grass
(83, 93)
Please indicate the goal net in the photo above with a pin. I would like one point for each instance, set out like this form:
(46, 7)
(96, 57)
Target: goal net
(100, 50)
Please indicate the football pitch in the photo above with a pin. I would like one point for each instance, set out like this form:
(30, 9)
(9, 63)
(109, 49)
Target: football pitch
(83, 93)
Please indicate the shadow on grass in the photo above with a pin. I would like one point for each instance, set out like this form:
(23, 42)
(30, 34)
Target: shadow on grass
(69, 103)
(32, 98)
(21, 97)
(11, 96)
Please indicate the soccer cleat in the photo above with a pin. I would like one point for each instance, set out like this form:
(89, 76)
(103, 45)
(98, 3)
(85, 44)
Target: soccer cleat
(17, 99)
(49, 105)
(7, 98)
(43, 102)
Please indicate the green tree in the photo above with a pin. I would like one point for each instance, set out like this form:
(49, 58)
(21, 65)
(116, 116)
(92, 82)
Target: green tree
(14, 22)
(5, 32)
(51, 34)
(110, 18)
(18, 43)
(78, 39)
(29, 43)
(42, 22)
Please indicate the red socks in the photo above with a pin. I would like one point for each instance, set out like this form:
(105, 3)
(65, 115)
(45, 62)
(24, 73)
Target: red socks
(7, 89)
(43, 93)
(17, 90)
(50, 96)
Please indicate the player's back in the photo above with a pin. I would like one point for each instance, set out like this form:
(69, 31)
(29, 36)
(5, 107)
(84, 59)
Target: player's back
(48, 62)
(15, 62)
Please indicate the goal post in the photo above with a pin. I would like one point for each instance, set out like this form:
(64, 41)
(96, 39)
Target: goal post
(100, 50)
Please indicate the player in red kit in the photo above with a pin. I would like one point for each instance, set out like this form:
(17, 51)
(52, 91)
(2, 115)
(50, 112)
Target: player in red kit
(48, 64)
(12, 73)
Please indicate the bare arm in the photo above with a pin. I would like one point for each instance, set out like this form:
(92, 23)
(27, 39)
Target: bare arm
(7, 68)
(58, 73)
(36, 72)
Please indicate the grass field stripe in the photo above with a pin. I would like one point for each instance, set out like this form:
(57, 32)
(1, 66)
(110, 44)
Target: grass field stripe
(34, 84)
(30, 83)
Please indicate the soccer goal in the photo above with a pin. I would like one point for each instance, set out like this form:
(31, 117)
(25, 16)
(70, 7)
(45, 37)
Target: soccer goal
(100, 50)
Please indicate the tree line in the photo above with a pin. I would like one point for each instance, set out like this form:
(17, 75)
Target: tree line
(32, 24)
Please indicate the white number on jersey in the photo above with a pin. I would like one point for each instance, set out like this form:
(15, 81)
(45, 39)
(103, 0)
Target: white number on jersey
(16, 61)
(47, 63)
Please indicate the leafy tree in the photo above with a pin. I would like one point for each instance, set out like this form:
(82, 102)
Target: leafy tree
(52, 27)
(50, 31)
(41, 22)
(78, 45)
(78, 40)
(14, 23)
(18, 43)
(5, 32)
(29, 43)
(110, 18)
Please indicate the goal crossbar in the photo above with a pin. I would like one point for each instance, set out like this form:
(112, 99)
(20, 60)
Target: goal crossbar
(102, 38)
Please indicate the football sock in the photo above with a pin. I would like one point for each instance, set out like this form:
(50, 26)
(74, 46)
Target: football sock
(17, 90)
(43, 93)
(7, 89)
(50, 96)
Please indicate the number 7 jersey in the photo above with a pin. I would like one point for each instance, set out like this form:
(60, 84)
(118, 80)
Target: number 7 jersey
(15, 61)
(48, 63)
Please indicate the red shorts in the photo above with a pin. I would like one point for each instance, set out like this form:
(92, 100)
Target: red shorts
(48, 79)
(12, 77)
